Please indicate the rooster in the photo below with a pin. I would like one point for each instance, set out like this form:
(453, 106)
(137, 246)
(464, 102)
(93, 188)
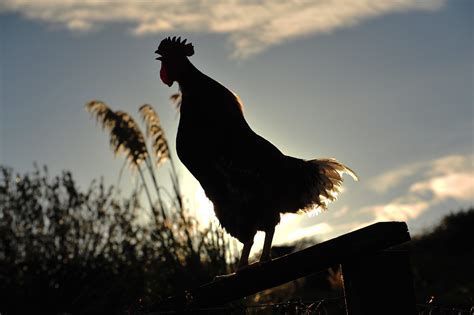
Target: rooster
(249, 181)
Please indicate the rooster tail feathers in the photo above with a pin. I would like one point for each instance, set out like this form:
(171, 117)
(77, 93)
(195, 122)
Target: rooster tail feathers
(323, 182)
(312, 184)
(328, 180)
(333, 168)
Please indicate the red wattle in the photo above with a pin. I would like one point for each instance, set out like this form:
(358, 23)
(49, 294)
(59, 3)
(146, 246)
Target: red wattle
(164, 76)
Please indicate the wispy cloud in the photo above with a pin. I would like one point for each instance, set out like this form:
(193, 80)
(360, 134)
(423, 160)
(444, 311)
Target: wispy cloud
(392, 178)
(456, 185)
(449, 168)
(294, 227)
(310, 231)
(449, 177)
(251, 26)
(341, 212)
(401, 209)
(452, 164)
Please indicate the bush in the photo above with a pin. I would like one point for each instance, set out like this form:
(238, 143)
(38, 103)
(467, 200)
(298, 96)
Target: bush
(65, 250)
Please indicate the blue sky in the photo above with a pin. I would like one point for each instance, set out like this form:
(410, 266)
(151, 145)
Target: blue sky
(383, 86)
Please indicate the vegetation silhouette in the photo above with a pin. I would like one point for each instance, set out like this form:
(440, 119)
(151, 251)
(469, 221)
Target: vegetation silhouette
(64, 249)
(443, 262)
(67, 250)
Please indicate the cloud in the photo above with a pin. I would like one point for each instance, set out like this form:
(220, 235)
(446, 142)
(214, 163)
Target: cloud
(428, 170)
(456, 185)
(311, 231)
(251, 26)
(341, 212)
(449, 177)
(398, 210)
(390, 179)
(452, 164)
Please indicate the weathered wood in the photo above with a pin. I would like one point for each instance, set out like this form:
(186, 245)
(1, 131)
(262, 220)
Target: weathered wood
(381, 283)
(258, 277)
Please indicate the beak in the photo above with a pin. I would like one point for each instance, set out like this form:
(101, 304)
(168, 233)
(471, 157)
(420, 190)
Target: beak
(158, 58)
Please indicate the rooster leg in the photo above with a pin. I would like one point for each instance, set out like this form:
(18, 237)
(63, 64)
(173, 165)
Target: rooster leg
(244, 258)
(267, 245)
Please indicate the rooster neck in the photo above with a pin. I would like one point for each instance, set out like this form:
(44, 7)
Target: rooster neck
(189, 79)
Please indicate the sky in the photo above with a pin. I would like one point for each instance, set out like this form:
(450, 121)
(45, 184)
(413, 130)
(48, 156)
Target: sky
(384, 86)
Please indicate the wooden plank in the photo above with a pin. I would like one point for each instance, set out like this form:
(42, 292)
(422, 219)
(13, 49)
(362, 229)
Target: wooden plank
(258, 277)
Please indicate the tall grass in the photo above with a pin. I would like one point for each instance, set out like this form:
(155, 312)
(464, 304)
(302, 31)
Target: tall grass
(186, 244)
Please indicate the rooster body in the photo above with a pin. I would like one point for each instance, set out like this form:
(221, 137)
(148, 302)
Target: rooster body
(249, 181)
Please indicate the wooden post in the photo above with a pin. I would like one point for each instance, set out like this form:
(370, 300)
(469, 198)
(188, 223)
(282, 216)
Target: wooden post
(379, 283)
(258, 277)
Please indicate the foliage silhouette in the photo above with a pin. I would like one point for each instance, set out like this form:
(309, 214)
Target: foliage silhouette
(63, 249)
(443, 259)
(86, 252)
(121, 131)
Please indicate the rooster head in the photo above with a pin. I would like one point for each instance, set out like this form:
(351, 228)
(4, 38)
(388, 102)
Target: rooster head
(173, 56)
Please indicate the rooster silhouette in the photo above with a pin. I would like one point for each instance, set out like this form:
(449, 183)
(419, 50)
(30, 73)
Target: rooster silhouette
(249, 181)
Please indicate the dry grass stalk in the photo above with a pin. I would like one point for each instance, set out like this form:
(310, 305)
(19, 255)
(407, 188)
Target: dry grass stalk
(125, 135)
(156, 133)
